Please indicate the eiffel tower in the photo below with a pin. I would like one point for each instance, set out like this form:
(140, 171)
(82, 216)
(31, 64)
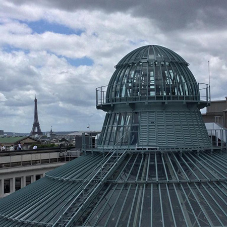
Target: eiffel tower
(36, 127)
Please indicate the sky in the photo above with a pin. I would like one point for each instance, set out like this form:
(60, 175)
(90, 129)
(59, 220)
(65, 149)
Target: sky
(60, 51)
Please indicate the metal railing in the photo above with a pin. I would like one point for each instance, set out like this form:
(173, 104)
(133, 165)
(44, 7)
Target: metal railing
(199, 92)
(218, 137)
(34, 157)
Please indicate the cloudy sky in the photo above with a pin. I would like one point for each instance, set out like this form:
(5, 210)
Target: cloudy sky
(61, 51)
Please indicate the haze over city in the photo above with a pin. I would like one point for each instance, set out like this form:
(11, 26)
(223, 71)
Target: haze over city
(60, 51)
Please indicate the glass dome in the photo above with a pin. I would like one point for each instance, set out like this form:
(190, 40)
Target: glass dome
(152, 101)
(152, 73)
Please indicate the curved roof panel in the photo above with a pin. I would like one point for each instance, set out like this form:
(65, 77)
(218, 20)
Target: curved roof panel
(151, 53)
(152, 73)
(146, 189)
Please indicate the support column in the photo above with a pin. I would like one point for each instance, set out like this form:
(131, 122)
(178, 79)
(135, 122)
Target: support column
(23, 181)
(12, 185)
(1, 188)
(32, 178)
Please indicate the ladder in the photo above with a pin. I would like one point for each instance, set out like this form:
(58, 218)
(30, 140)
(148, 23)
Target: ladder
(89, 190)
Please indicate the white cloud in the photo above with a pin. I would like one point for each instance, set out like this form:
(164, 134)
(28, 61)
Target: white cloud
(20, 12)
(2, 97)
(36, 64)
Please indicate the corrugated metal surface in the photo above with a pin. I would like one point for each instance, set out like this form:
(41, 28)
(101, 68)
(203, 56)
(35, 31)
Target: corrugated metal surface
(168, 189)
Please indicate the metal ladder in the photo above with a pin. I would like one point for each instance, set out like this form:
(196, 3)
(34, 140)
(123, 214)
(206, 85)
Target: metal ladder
(89, 190)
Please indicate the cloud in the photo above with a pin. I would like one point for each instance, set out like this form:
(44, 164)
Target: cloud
(165, 13)
(79, 42)
(2, 97)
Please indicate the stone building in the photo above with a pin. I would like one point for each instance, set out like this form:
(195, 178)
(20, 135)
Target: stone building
(25, 141)
(217, 113)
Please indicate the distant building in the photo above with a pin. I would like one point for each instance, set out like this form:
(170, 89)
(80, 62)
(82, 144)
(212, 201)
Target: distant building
(20, 168)
(51, 134)
(85, 140)
(216, 113)
(216, 122)
(1, 132)
(26, 142)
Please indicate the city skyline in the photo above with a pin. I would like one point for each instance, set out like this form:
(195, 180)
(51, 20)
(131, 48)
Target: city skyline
(61, 51)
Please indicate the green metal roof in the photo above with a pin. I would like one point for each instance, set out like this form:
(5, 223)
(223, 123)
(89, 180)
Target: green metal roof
(151, 53)
(168, 189)
(11, 139)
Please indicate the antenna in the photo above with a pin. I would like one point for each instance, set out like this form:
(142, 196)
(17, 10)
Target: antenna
(209, 80)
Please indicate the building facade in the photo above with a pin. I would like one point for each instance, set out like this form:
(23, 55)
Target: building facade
(216, 113)
(11, 143)
(21, 168)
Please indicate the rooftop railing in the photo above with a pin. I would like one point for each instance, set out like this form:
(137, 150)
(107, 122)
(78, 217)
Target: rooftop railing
(35, 157)
(199, 92)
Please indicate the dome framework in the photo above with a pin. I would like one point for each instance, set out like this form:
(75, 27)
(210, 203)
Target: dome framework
(154, 165)
(152, 73)
(153, 100)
